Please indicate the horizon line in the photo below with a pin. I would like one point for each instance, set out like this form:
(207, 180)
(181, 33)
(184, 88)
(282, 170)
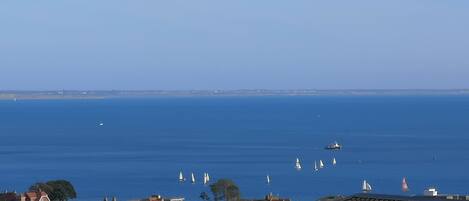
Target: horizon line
(244, 89)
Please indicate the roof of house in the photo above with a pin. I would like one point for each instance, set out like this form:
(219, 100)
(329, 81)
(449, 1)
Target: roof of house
(384, 197)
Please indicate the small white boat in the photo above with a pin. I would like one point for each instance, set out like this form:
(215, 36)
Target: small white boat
(268, 179)
(334, 161)
(405, 187)
(430, 192)
(192, 178)
(208, 178)
(298, 164)
(101, 124)
(366, 187)
(334, 146)
(315, 166)
(181, 177)
(321, 164)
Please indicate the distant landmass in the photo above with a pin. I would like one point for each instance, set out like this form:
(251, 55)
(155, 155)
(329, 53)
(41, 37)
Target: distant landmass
(103, 94)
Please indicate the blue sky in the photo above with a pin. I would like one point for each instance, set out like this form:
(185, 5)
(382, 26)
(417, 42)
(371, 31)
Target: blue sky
(270, 44)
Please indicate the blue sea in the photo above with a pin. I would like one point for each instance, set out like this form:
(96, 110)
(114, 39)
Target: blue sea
(144, 143)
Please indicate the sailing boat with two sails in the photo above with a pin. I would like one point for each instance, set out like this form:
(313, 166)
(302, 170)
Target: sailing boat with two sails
(366, 187)
(206, 178)
(321, 164)
(298, 164)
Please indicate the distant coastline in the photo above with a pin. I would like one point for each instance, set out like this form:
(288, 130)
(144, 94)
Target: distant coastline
(106, 94)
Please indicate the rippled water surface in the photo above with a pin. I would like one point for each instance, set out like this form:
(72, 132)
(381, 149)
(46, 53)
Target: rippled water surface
(144, 143)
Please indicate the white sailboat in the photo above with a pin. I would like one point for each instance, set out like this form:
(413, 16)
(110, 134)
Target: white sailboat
(334, 161)
(205, 178)
(366, 187)
(321, 164)
(192, 178)
(298, 164)
(405, 187)
(268, 179)
(208, 178)
(181, 177)
(315, 166)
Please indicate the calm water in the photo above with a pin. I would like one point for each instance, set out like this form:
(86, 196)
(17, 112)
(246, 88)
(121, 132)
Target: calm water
(144, 143)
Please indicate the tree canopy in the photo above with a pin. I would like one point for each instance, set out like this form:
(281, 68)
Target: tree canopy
(58, 190)
(226, 190)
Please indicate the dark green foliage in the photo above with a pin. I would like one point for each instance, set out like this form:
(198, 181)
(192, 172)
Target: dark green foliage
(8, 196)
(332, 198)
(204, 196)
(58, 190)
(226, 190)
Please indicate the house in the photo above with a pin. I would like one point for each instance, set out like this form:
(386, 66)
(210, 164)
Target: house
(28, 196)
(382, 197)
(34, 196)
(269, 197)
(160, 198)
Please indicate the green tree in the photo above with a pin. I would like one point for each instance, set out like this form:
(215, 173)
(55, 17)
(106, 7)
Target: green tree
(226, 190)
(58, 190)
(204, 196)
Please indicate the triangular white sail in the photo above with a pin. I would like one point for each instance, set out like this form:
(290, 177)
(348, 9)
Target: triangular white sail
(298, 164)
(268, 179)
(208, 178)
(192, 178)
(334, 161)
(205, 178)
(405, 187)
(321, 164)
(315, 166)
(181, 177)
(366, 187)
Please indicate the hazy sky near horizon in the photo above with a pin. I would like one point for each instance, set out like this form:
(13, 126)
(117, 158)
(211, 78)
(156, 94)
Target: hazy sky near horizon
(271, 44)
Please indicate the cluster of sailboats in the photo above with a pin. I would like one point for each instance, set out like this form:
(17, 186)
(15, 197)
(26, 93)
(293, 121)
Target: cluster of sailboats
(366, 187)
(317, 165)
(206, 178)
